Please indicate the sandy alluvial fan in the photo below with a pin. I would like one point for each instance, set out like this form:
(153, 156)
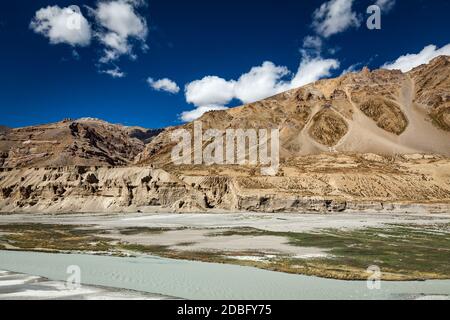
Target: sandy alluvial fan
(370, 140)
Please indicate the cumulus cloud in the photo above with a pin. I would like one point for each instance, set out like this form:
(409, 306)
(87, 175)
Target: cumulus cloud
(62, 25)
(214, 93)
(386, 5)
(210, 90)
(261, 82)
(313, 69)
(335, 16)
(119, 26)
(165, 84)
(409, 61)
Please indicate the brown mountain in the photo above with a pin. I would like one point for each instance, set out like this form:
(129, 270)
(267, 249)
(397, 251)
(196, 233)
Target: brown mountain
(72, 142)
(377, 141)
(384, 112)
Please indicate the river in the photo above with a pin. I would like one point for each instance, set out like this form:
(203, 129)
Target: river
(199, 280)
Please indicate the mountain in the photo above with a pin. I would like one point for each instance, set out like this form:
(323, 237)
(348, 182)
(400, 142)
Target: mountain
(85, 141)
(366, 141)
(384, 112)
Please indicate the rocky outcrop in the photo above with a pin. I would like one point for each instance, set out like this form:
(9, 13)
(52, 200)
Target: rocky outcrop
(88, 189)
(387, 115)
(328, 128)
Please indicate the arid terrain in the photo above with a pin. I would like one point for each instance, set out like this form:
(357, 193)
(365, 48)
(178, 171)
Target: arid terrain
(367, 147)
(372, 140)
(342, 246)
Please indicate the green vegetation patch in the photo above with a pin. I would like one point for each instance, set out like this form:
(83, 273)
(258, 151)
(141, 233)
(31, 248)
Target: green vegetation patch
(165, 251)
(52, 237)
(131, 231)
(401, 251)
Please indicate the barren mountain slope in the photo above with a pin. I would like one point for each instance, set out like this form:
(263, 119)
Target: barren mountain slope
(364, 141)
(80, 142)
(433, 90)
(384, 111)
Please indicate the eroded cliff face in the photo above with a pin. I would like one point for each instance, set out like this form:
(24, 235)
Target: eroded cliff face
(87, 189)
(322, 183)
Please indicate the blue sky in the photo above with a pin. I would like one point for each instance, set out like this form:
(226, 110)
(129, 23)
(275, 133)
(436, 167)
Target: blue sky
(47, 74)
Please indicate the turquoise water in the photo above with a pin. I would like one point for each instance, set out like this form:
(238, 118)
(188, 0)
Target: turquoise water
(198, 280)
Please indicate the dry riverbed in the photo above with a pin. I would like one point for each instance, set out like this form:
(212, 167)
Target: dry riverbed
(340, 246)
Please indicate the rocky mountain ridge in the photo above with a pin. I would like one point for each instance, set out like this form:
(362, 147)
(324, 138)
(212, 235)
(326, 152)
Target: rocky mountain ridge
(372, 140)
(384, 112)
(85, 141)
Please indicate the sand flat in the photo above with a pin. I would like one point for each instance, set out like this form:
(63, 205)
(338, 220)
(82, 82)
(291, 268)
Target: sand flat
(17, 286)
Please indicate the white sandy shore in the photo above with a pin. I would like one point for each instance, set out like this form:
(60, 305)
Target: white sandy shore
(16, 286)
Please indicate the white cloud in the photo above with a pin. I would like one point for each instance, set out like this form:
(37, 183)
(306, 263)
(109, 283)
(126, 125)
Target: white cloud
(335, 16)
(409, 61)
(214, 93)
(261, 82)
(165, 84)
(115, 72)
(312, 44)
(188, 116)
(210, 90)
(311, 70)
(62, 25)
(120, 25)
(386, 5)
